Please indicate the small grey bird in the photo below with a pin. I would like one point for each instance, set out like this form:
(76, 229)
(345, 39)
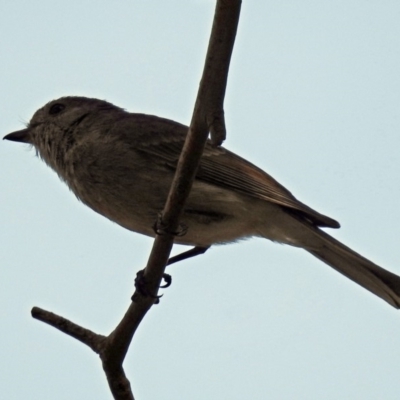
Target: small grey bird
(122, 164)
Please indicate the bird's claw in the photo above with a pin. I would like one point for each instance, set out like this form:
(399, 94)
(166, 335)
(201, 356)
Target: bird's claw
(161, 229)
(141, 285)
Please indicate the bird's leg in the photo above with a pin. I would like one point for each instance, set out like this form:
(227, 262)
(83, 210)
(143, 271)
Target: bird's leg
(160, 229)
(195, 251)
(140, 282)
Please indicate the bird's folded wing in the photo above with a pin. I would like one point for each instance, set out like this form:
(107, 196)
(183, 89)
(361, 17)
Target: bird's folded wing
(222, 168)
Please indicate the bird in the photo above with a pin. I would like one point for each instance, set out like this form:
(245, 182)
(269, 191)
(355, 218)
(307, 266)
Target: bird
(121, 165)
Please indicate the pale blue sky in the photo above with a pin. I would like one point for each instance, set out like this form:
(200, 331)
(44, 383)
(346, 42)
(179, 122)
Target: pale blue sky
(313, 98)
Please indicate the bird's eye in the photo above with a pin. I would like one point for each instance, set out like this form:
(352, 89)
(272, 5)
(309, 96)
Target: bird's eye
(56, 108)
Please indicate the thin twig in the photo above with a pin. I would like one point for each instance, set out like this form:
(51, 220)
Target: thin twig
(86, 336)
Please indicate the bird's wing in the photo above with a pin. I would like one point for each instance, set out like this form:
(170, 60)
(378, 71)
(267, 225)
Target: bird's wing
(220, 167)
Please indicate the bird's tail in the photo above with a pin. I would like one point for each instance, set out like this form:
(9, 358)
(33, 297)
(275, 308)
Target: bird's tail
(291, 229)
(377, 280)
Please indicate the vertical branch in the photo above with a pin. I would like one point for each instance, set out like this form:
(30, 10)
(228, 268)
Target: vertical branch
(208, 116)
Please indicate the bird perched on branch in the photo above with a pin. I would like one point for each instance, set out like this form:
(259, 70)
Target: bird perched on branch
(121, 165)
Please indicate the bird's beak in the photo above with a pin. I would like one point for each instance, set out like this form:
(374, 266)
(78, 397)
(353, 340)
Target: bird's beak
(19, 136)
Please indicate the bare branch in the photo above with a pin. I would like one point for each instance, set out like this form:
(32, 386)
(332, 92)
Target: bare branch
(86, 336)
(216, 68)
(215, 74)
(208, 116)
